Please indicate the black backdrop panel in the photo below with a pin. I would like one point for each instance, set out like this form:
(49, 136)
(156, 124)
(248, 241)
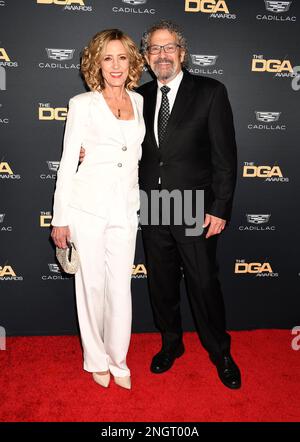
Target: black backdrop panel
(233, 41)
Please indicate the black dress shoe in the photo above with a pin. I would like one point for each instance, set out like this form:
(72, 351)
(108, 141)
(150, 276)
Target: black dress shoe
(228, 371)
(164, 360)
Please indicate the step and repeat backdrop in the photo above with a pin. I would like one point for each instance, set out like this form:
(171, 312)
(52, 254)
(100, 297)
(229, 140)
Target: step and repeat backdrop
(252, 47)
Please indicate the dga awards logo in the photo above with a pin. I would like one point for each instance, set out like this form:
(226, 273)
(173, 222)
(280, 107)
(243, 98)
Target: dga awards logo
(257, 269)
(139, 271)
(3, 226)
(133, 7)
(48, 113)
(206, 65)
(266, 120)
(55, 273)
(7, 273)
(257, 222)
(45, 219)
(68, 5)
(213, 8)
(6, 59)
(278, 67)
(264, 172)
(60, 59)
(7, 172)
(53, 168)
(277, 11)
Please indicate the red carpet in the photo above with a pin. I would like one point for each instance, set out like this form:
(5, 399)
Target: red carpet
(42, 380)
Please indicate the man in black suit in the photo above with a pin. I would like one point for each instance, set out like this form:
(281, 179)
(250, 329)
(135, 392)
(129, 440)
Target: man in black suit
(189, 145)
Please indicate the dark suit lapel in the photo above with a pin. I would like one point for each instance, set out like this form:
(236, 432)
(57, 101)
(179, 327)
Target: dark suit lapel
(180, 107)
(149, 111)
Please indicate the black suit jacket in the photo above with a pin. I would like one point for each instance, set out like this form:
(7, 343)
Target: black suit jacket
(199, 148)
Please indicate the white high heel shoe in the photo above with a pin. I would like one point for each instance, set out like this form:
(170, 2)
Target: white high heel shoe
(124, 382)
(102, 379)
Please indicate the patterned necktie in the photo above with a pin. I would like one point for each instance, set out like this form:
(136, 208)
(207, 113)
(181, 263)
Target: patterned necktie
(164, 113)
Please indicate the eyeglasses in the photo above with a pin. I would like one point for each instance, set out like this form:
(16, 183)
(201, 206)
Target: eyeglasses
(168, 49)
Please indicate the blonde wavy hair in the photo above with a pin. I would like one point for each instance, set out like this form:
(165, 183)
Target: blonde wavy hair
(92, 54)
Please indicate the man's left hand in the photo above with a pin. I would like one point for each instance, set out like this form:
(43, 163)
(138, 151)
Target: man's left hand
(216, 225)
(81, 154)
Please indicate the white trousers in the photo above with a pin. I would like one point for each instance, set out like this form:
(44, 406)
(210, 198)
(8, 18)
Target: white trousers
(103, 294)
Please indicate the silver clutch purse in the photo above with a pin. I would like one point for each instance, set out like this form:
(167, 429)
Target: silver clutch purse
(68, 258)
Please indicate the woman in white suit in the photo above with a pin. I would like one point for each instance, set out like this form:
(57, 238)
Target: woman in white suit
(96, 203)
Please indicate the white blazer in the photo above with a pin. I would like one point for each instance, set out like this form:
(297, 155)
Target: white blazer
(109, 162)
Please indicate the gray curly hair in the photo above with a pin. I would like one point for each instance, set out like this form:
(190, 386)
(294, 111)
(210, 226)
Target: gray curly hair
(173, 28)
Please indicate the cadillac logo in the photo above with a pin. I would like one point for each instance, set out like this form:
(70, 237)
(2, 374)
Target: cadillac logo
(258, 219)
(54, 268)
(53, 165)
(267, 117)
(135, 2)
(274, 6)
(204, 60)
(60, 54)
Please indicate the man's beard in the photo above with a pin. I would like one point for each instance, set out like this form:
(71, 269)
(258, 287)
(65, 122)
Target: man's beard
(167, 73)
